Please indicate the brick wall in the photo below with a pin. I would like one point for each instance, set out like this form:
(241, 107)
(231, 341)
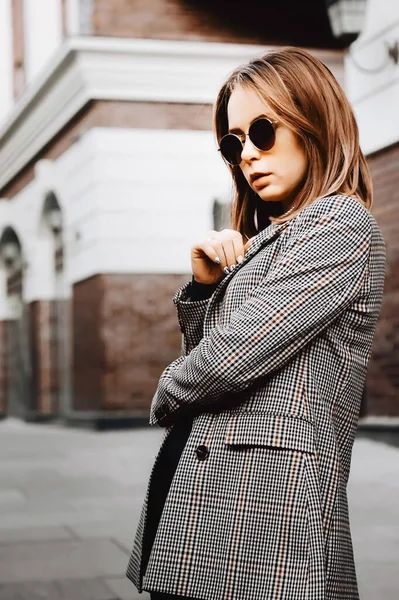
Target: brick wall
(88, 350)
(383, 376)
(125, 332)
(3, 368)
(284, 22)
(45, 385)
(160, 19)
(18, 46)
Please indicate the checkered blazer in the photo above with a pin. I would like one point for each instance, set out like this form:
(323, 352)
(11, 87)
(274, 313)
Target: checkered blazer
(272, 373)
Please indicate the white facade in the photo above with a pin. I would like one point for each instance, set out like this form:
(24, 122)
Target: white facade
(372, 77)
(132, 200)
(43, 34)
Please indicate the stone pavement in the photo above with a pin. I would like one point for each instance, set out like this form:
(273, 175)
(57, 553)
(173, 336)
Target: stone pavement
(70, 501)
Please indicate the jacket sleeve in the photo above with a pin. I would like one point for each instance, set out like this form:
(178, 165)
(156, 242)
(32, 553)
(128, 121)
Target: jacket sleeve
(315, 279)
(191, 301)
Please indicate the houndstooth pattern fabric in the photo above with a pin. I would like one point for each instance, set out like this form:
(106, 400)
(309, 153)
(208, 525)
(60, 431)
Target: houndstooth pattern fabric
(272, 371)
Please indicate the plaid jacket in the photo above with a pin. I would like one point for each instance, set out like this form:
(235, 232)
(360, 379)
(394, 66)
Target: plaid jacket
(272, 373)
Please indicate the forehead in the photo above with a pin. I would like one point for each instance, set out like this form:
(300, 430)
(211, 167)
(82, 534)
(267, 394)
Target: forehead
(244, 106)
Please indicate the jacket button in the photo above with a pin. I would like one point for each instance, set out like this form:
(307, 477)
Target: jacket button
(202, 452)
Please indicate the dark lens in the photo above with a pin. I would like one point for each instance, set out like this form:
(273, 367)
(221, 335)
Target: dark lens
(231, 148)
(261, 134)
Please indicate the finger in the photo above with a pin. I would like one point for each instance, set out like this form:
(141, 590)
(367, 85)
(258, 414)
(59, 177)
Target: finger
(230, 254)
(238, 245)
(216, 252)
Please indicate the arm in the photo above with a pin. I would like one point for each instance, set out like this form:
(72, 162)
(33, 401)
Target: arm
(191, 301)
(315, 279)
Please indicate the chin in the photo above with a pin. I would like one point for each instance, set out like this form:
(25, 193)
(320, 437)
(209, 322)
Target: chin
(270, 196)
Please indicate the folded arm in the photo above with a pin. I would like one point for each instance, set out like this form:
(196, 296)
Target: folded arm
(191, 301)
(315, 279)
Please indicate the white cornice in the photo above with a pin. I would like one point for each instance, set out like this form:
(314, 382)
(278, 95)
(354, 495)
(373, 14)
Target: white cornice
(90, 68)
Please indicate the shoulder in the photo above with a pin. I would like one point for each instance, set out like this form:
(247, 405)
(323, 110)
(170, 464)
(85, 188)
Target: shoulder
(338, 224)
(337, 208)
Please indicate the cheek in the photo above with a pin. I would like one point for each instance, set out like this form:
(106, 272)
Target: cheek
(298, 166)
(291, 158)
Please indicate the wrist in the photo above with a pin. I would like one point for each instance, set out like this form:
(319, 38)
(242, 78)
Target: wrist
(196, 282)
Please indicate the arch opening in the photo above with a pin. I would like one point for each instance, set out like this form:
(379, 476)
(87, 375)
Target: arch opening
(15, 328)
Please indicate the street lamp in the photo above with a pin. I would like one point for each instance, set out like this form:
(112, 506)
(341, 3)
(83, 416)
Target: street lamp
(346, 18)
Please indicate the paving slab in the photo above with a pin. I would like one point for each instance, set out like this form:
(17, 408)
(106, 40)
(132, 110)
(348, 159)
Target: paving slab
(68, 559)
(125, 590)
(81, 589)
(11, 497)
(378, 581)
(123, 533)
(36, 534)
(79, 487)
(70, 501)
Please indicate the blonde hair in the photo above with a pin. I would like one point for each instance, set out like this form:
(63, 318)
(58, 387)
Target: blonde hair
(303, 94)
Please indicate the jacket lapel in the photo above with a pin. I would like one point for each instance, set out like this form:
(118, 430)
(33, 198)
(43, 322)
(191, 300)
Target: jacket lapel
(262, 239)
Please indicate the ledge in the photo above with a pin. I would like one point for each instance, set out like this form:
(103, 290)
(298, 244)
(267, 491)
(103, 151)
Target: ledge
(379, 423)
(90, 68)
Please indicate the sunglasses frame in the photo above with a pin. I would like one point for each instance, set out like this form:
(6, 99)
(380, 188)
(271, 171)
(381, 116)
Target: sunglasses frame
(243, 136)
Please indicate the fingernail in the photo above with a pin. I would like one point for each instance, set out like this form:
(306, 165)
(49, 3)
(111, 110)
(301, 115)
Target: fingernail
(217, 260)
(239, 259)
(226, 270)
(233, 266)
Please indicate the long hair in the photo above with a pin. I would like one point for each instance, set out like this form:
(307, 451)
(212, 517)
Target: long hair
(304, 95)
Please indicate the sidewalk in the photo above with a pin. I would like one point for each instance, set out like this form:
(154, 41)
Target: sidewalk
(70, 501)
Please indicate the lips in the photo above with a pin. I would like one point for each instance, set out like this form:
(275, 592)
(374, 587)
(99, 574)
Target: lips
(255, 176)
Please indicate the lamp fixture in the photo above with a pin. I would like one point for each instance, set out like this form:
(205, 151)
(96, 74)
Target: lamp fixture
(10, 252)
(346, 18)
(55, 220)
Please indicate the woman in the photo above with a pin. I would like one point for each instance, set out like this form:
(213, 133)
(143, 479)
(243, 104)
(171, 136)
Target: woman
(247, 497)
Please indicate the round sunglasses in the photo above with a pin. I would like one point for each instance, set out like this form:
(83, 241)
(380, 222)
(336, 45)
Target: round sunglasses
(261, 133)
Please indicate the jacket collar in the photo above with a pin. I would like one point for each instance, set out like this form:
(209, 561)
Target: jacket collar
(264, 237)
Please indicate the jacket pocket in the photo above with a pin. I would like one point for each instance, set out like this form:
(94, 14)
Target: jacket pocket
(266, 429)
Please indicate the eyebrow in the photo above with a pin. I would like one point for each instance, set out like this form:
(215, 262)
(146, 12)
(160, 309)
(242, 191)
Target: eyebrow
(238, 130)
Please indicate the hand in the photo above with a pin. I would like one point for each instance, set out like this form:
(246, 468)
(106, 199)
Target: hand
(220, 250)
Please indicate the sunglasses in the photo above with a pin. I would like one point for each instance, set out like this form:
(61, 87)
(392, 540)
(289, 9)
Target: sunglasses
(261, 133)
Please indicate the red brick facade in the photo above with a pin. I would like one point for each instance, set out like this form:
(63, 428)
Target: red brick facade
(125, 332)
(383, 377)
(293, 22)
(45, 385)
(18, 46)
(3, 368)
(165, 19)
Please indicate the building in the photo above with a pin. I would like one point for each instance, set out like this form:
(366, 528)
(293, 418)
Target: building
(372, 84)
(108, 172)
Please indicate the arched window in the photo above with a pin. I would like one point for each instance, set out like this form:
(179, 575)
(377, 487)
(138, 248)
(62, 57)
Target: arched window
(11, 253)
(52, 219)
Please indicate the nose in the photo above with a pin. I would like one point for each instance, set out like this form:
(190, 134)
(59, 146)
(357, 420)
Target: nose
(249, 151)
